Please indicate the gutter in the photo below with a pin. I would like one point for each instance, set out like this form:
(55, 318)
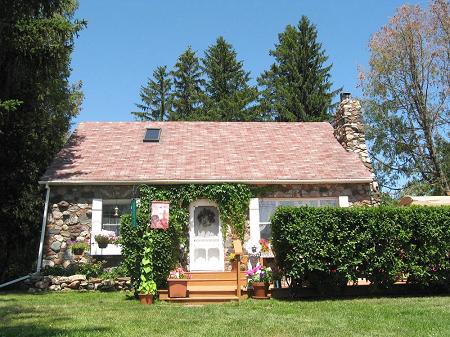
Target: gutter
(23, 278)
(41, 243)
(44, 223)
(203, 181)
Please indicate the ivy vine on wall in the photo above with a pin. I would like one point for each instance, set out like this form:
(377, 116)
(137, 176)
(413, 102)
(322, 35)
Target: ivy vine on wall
(170, 247)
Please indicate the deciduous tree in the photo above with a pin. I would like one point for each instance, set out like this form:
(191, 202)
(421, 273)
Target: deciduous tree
(407, 92)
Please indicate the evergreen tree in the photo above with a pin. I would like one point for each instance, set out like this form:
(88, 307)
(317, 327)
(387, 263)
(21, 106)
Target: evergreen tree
(37, 104)
(187, 93)
(155, 97)
(297, 87)
(229, 96)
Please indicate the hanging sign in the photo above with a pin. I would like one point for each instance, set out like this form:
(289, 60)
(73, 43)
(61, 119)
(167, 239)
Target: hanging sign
(159, 215)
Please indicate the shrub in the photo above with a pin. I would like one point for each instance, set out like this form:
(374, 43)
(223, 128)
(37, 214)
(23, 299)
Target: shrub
(326, 247)
(78, 248)
(94, 269)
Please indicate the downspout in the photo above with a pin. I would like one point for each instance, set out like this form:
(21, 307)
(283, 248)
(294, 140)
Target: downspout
(41, 244)
(44, 223)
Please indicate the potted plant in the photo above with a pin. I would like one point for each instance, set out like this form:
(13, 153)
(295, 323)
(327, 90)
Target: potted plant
(260, 278)
(104, 237)
(146, 291)
(233, 260)
(177, 282)
(78, 248)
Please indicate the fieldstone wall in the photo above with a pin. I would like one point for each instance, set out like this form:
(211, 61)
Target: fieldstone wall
(67, 223)
(350, 133)
(358, 194)
(70, 213)
(69, 220)
(39, 283)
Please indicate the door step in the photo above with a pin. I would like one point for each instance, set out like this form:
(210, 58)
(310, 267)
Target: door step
(208, 287)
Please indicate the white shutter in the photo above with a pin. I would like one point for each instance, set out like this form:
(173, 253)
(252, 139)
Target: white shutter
(343, 201)
(255, 235)
(96, 224)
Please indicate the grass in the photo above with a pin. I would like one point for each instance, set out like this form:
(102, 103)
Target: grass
(112, 314)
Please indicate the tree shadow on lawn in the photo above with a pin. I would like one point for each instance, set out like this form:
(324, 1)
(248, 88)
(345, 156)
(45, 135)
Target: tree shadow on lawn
(293, 296)
(25, 330)
(12, 317)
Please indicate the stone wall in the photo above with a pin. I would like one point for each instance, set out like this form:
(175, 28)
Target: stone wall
(69, 218)
(39, 283)
(67, 223)
(349, 130)
(358, 194)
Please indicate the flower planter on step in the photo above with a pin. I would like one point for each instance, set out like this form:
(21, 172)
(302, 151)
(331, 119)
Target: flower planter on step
(146, 298)
(260, 290)
(102, 245)
(177, 288)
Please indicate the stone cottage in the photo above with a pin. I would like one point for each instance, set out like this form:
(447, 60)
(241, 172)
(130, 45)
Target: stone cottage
(93, 177)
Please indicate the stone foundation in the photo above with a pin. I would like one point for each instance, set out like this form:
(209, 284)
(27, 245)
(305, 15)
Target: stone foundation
(39, 283)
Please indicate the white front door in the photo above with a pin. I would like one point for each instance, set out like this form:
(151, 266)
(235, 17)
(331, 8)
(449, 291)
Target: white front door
(205, 241)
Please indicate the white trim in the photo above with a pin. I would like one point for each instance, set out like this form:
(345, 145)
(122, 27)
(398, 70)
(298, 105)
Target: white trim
(206, 181)
(255, 234)
(192, 206)
(111, 249)
(97, 215)
(343, 201)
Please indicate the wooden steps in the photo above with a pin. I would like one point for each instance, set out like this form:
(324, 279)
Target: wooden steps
(209, 287)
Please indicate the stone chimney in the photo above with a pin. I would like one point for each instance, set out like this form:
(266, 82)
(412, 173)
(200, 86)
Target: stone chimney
(349, 131)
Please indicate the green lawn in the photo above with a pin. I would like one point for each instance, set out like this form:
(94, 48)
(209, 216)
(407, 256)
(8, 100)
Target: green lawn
(112, 314)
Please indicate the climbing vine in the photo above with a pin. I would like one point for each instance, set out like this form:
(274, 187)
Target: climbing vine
(170, 247)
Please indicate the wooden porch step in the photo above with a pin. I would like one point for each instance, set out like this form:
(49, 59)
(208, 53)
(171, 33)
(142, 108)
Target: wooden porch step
(210, 275)
(202, 300)
(216, 282)
(195, 295)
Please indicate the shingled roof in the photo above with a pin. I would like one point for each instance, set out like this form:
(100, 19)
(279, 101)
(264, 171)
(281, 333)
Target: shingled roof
(201, 152)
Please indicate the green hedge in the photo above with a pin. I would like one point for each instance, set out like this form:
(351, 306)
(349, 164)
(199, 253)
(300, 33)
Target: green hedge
(326, 247)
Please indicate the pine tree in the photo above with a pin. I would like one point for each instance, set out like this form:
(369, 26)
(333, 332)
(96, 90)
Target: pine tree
(155, 97)
(37, 104)
(229, 96)
(297, 87)
(188, 82)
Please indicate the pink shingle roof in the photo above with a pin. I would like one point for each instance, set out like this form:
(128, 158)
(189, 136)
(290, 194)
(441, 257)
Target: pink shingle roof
(205, 151)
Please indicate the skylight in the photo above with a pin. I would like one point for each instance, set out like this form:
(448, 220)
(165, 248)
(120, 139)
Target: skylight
(152, 135)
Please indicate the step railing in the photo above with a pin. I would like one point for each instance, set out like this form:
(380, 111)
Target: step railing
(237, 245)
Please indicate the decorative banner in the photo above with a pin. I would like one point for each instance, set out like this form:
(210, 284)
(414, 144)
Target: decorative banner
(159, 215)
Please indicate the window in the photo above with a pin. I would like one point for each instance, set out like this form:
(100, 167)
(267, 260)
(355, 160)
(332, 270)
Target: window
(152, 135)
(268, 206)
(111, 221)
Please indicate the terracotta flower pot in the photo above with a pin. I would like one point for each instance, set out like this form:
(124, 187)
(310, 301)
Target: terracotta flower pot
(260, 290)
(177, 287)
(146, 298)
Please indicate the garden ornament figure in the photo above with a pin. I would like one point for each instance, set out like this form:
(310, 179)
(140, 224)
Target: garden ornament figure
(254, 256)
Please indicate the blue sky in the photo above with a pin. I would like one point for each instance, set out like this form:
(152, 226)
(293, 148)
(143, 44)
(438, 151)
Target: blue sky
(126, 40)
